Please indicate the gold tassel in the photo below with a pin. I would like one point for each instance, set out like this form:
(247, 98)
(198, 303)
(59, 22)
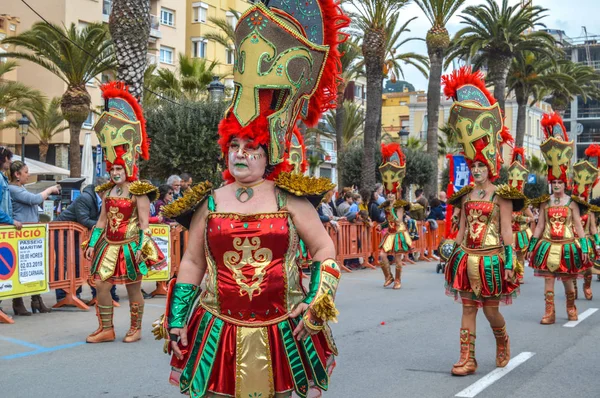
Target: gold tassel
(189, 201)
(324, 308)
(139, 188)
(160, 332)
(301, 185)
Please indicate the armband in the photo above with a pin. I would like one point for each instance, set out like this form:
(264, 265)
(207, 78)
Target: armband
(323, 285)
(532, 243)
(96, 234)
(508, 257)
(584, 245)
(596, 240)
(182, 298)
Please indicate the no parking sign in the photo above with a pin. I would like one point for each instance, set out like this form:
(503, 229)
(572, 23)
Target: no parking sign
(23, 260)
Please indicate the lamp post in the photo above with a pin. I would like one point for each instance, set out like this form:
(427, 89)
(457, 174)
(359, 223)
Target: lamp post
(403, 133)
(23, 123)
(216, 90)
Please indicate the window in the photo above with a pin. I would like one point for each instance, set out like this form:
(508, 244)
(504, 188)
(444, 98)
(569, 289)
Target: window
(82, 25)
(105, 78)
(200, 12)
(230, 56)
(106, 7)
(2, 114)
(327, 145)
(325, 172)
(91, 82)
(228, 82)
(166, 55)
(231, 19)
(167, 17)
(89, 122)
(199, 47)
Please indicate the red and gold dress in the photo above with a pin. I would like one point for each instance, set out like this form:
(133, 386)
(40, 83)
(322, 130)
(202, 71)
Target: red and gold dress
(396, 239)
(114, 257)
(521, 232)
(558, 253)
(475, 270)
(240, 334)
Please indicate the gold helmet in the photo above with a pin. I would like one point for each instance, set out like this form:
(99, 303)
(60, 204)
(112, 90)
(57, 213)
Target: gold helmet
(556, 148)
(517, 171)
(585, 174)
(393, 167)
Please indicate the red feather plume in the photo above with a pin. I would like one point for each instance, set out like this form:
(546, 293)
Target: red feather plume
(116, 89)
(549, 120)
(593, 151)
(463, 76)
(518, 152)
(388, 150)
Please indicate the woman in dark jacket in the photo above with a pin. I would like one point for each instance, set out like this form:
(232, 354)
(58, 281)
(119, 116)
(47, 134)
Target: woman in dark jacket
(375, 213)
(437, 210)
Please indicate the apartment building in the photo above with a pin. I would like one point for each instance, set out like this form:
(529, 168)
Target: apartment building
(167, 37)
(199, 15)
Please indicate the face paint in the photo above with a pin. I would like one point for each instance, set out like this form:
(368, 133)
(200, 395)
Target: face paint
(245, 159)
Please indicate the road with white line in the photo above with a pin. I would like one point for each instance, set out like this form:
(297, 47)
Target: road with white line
(392, 344)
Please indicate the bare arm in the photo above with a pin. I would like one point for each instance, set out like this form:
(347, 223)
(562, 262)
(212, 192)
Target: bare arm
(592, 221)
(539, 229)
(193, 263)
(462, 224)
(506, 209)
(529, 214)
(310, 229)
(102, 218)
(577, 219)
(143, 208)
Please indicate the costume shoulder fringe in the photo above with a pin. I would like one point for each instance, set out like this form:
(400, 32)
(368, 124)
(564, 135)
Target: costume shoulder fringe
(301, 185)
(413, 206)
(107, 186)
(594, 208)
(139, 188)
(583, 205)
(456, 197)
(518, 198)
(537, 202)
(189, 201)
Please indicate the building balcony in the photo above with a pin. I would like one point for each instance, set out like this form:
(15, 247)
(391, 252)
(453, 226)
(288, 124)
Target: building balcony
(152, 59)
(331, 157)
(594, 64)
(592, 112)
(154, 26)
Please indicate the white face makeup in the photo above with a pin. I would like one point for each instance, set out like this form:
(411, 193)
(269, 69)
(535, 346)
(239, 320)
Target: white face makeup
(479, 172)
(558, 186)
(117, 174)
(246, 161)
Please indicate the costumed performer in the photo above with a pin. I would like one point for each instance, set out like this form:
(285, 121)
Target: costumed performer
(396, 240)
(121, 247)
(480, 272)
(554, 250)
(521, 220)
(255, 331)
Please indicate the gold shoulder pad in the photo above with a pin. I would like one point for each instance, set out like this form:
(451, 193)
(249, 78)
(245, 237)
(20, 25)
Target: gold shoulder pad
(583, 205)
(456, 197)
(107, 186)
(139, 188)
(189, 202)
(507, 192)
(309, 187)
(537, 202)
(404, 203)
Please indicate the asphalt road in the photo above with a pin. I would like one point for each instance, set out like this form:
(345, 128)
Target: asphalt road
(392, 344)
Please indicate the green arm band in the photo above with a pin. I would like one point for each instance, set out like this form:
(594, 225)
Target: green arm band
(596, 239)
(532, 243)
(584, 245)
(96, 234)
(324, 280)
(143, 237)
(182, 299)
(508, 257)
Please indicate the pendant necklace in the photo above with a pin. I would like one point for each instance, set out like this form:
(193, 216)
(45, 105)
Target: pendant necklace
(246, 190)
(481, 193)
(557, 200)
(119, 191)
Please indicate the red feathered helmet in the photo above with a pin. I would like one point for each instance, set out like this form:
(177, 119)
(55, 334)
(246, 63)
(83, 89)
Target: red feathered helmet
(297, 153)
(393, 167)
(287, 68)
(556, 148)
(121, 129)
(517, 171)
(585, 174)
(476, 119)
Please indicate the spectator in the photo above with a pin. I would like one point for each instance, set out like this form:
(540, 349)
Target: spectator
(380, 196)
(356, 202)
(437, 210)
(443, 198)
(365, 194)
(341, 197)
(175, 182)
(326, 212)
(186, 182)
(333, 202)
(165, 196)
(84, 210)
(25, 209)
(375, 213)
(344, 207)
(421, 199)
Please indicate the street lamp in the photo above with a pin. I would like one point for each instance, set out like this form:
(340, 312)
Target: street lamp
(403, 133)
(24, 123)
(216, 90)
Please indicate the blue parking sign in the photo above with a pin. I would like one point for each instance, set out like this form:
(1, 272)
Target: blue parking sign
(532, 178)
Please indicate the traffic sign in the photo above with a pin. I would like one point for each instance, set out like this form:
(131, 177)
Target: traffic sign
(531, 179)
(7, 261)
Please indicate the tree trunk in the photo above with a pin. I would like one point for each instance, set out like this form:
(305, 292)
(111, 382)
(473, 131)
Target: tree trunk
(339, 129)
(436, 58)
(43, 150)
(521, 116)
(75, 107)
(498, 71)
(373, 51)
(75, 150)
(129, 26)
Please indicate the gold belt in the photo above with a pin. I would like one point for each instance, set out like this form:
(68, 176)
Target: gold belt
(120, 242)
(488, 251)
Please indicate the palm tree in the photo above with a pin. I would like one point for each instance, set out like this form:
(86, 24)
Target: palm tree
(392, 66)
(448, 144)
(227, 37)
(438, 40)
(190, 81)
(494, 35)
(76, 57)
(47, 121)
(129, 25)
(315, 153)
(15, 96)
(529, 76)
(351, 69)
(584, 82)
(372, 18)
(352, 123)
(536, 165)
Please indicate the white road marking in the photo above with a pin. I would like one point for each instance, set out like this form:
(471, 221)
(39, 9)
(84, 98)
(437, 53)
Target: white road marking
(581, 317)
(494, 376)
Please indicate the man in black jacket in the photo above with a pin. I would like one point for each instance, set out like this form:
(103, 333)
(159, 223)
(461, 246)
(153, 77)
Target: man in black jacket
(84, 210)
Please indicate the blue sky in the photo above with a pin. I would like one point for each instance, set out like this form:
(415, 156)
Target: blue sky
(567, 15)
